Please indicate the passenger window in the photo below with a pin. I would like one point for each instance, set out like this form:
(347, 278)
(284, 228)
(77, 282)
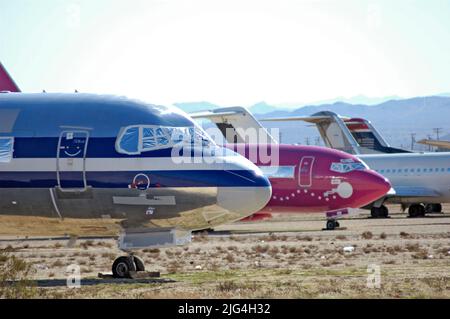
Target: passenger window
(278, 171)
(6, 149)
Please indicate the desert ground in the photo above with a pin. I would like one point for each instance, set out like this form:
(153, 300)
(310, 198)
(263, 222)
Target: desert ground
(289, 256)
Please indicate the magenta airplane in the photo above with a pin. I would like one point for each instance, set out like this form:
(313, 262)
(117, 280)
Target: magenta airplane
(304, 178)
(315, 179)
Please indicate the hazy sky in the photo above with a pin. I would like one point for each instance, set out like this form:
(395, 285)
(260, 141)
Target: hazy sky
(228, 52)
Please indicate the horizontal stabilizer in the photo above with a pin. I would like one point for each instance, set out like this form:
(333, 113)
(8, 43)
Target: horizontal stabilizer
(311, 119)
(212, 114)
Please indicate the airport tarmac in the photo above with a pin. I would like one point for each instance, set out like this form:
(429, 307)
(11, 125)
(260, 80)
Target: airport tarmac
(286, 257)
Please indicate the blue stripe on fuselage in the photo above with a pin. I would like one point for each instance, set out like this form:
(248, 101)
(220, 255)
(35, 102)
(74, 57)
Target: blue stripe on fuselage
(46, 147)
(182, 178)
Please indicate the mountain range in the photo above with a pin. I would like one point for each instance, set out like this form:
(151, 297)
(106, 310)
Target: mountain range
(395, 119)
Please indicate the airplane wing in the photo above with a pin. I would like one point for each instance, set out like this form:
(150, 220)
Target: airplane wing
(6, 82)
(442, 144)
(413, 191)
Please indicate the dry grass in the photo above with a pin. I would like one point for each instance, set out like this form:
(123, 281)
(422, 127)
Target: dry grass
(367, 235)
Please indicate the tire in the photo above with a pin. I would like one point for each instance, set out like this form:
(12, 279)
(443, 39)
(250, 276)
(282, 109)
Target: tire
(384, 211)
(416, 211)
(433, 208)
(139, 263)
(123, 267)
(379, 212)
(331, 224)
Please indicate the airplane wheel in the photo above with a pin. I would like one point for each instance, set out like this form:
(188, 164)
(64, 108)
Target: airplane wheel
(140, 266)
(379, 212)
(416, 211)
(433, 208)
(123, 267)
(331, 224)
(337, 224)
(375, 212)
(384, 211)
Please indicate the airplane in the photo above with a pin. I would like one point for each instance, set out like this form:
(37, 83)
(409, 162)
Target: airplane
(104, 158)
(413, 175)
(304, 178)
(308, 179)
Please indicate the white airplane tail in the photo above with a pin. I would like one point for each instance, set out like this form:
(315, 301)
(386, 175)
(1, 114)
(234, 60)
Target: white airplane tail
(351, 135)
(236, 124)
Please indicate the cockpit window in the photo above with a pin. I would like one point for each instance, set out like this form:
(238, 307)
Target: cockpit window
(347, 166)
(6, 149)
(144, 138)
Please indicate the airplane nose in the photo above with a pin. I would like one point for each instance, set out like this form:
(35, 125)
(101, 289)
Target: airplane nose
(251, 191)
(372, 186)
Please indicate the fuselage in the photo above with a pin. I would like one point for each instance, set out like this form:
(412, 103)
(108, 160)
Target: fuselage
(105, 157)
(426, 173)
(314, 179)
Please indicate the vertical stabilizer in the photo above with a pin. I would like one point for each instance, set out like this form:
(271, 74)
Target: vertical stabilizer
(6, 82)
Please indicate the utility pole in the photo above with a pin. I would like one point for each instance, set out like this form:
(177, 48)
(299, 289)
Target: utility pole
(437, 130)
(413, 140)
(429, 146)
(307, 141)
(317, 141)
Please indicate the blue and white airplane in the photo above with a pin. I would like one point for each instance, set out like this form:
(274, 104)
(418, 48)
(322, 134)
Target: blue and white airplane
(149, 167)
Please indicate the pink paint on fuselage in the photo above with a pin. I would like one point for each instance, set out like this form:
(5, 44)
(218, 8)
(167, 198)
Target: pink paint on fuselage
(314, 187)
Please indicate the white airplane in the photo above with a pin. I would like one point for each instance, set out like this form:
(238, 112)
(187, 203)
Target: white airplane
(416, 178)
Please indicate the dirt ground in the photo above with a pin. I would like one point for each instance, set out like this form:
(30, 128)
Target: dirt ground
(286, 257)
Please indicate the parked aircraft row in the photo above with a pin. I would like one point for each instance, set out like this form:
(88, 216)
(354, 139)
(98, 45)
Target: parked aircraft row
(416, 178)
(152, 168)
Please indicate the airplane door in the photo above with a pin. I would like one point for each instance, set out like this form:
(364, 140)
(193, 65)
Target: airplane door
(305, 171)
(71, 160)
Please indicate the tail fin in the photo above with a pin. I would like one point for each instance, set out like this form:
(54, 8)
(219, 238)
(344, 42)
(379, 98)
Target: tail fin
(368, 136)
(332, 129)
(351, 135)
(234, 123)
(6, 82)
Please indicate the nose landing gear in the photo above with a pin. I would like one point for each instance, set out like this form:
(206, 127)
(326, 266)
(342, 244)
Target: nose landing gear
(332, 224)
